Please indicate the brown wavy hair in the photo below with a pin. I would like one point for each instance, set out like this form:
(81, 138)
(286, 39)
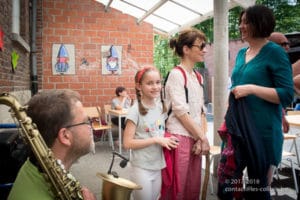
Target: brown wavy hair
(186, 37)
(139, 76)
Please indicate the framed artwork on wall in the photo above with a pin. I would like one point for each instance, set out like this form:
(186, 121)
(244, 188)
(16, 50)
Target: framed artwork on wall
(63, 59)
(111, 57)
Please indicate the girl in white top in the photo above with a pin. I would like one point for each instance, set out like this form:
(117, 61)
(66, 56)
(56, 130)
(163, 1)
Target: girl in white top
(144, 134)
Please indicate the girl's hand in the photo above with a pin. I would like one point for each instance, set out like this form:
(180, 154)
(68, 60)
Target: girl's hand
(87, 194)
(168, 142)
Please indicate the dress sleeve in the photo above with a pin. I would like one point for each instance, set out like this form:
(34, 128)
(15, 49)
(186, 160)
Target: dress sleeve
(282, 73)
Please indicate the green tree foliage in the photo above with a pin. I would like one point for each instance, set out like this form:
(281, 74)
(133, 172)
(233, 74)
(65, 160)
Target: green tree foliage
(207, 27)
(164, 57)
(287, 16)
(233, 23)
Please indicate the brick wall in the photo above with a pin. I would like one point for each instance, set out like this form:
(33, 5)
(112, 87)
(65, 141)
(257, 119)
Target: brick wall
(86, 25)
(18, 79)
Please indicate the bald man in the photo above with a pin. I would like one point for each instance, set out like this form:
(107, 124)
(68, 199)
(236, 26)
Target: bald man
(280, 39)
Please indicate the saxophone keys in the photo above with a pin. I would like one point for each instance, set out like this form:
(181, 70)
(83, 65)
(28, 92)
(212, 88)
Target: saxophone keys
(34, 133)
(71, 177)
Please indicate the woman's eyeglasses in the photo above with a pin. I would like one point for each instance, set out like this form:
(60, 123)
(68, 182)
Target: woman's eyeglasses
(88, 122)
(200, 47)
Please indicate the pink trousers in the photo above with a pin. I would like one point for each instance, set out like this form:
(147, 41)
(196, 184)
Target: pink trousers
(181, 179)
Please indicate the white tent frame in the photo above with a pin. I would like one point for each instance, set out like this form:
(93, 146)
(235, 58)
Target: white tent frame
(161, 14)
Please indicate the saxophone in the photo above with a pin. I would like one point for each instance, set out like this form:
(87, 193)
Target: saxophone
(64, 185)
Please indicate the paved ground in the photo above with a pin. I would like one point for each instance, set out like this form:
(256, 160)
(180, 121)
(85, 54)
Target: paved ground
(87, 167)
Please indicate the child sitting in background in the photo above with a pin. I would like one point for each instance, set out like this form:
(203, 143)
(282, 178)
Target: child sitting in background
(121, 101)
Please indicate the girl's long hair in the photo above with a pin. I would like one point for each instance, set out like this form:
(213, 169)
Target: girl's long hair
(138, 80)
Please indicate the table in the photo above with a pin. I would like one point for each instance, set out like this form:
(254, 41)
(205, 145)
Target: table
(293, 120)
(119, 114)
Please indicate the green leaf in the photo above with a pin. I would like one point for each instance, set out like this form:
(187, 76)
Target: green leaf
(14, 59)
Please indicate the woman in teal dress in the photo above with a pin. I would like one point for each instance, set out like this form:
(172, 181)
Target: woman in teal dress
(262, 76)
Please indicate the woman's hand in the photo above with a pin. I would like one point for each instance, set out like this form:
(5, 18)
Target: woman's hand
(242, 91)
(197, 147)
(265, 93)
(205, 147)
(285, 124)
(201, 147)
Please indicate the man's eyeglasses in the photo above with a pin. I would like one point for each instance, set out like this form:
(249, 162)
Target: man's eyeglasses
(285, 44)
(88, 122)
(200, 47)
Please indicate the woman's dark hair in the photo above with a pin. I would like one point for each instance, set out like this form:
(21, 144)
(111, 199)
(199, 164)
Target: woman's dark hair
(186, 37)
(119, 90)
(260, 19)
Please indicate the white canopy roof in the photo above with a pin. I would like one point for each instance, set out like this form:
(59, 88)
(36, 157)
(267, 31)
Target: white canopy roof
(170, 16)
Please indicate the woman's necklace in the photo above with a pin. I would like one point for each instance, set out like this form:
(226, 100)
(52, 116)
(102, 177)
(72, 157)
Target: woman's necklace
(250, 54)
(254, 49)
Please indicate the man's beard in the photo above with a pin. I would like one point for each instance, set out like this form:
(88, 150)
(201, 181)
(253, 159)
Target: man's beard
(79, 149)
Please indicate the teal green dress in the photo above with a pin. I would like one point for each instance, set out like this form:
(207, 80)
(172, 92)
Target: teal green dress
(270, 68)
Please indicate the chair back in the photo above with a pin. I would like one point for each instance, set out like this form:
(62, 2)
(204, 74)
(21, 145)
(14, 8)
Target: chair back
(94, 112)
(107, 107)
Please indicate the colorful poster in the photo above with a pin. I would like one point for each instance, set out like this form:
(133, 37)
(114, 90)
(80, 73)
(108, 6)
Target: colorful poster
(111, 59)
(63, 59)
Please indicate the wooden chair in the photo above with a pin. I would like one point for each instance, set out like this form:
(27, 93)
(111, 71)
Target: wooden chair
(293, 136)
(288, 162)
(213, 152)
(107, 107)
(94, 113)
(288, 155)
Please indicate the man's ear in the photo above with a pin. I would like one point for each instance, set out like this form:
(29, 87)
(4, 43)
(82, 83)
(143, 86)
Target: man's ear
(64, 136)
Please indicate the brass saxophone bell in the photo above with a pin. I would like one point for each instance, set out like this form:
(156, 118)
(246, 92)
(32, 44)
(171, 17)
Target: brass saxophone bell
(116, 188)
